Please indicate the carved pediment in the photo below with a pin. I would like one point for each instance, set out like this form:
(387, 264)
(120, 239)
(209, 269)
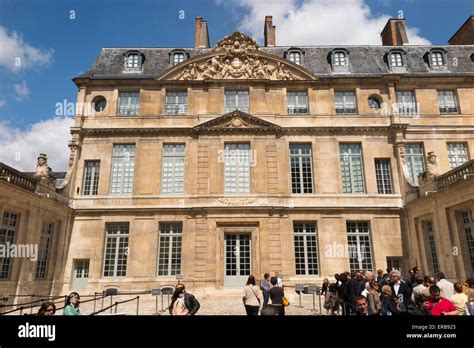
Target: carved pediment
(237, 120)
(236, 57)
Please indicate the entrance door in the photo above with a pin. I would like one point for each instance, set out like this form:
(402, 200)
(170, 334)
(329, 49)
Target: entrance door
(238, 259)
(81, 274)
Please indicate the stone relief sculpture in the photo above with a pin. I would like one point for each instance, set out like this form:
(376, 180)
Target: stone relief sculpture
(402, 156)
(42, 170)
(432, 169)
(237, 58)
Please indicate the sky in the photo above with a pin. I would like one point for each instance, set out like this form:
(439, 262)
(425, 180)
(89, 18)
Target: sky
(45, 43)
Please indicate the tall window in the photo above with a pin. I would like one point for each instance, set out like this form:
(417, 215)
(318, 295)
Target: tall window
(178, 57)
(457, 154)
(295, 57)
(297, 103)
(91, 177)
(437, 58)
(169, 255)
(123, 163)
(384, 176)
(301, 168)
(468, 226)
(345, 102)
(306, 248)
(129, 103)
(432, 246)
(340, 58)
(236, 100)
(8, 230)
(176, 103)
(43, 252)
(447, 102)
(352, 171)
(173, 169)
(396, 59)
(237, 168)
(360, 250)
(116, 249)
(406, 103)
(415, 160)
(133, 60)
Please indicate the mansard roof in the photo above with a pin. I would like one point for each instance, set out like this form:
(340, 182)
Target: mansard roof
(365, 61)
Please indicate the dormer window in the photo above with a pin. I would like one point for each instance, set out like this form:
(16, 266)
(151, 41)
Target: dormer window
(294, 55)
(437, 58)
(340, 58)
(396, 59)
(177, 56)
(133, 60)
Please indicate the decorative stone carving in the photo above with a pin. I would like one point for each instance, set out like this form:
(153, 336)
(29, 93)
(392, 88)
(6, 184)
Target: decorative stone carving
(237, 120)
(72, 157)
(237, 57)
(42, 169)
(432, 169)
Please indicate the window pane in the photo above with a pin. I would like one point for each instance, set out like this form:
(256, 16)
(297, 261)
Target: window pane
(116, 250)
(45, 242)
(383, 176)
(406, 103)
(415, 160)
(236, 100)
(169, 248)
(457, 154)
(297, 103)
(8, 231)
(359, 244)
(352, 173)
(173, 169)
(306, 248)
(128, 103)
(91, 177)
(123, 162)
(345, 102)
(176, 103)
(237, 168)
(301, 168)
(447, 102)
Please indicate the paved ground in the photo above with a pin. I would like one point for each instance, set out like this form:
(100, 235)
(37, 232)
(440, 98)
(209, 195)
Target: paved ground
(225, 302)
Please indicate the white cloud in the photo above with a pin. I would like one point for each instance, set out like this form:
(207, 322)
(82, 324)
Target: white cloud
(21, 91)
(3, 102)
(318, 22)
(16, 54)
(20, 148)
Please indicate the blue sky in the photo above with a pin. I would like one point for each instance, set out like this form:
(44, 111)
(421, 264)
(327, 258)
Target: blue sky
(59, 48)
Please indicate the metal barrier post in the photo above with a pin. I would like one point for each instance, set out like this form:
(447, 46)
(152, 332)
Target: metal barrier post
(21, 310)
(156, 302)
(314, 301)
(116, 306)
(95, 296)
(138, 303)
(320, 312)
(111, 303)
(162, 306)
(102, 300)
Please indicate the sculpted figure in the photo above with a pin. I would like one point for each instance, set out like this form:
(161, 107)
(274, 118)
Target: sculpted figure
(42, 169)
(432, 169)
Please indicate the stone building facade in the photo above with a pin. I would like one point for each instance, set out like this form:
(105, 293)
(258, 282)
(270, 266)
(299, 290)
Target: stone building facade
(211, 164)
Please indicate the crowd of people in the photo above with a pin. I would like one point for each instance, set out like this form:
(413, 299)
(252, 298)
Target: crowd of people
(362, 293)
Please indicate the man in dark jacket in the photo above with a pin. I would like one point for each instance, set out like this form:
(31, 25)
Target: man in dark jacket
(183, 303)
(400, 290)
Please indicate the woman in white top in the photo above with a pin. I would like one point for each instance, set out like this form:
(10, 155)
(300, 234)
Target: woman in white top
(459, 299)
(251, 300)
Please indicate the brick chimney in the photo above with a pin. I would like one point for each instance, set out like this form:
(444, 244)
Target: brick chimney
(269, 32)
(465, 34)
(394, 33)
(201, 35)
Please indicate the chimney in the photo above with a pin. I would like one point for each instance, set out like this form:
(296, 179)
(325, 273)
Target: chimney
(201, 36)
(269, 32)
(465, 34)
(394, 33)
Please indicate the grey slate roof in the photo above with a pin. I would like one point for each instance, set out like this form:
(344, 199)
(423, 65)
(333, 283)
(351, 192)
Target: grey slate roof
(363, 60)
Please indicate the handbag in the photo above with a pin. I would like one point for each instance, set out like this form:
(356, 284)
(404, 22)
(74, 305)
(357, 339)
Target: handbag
(285, 301)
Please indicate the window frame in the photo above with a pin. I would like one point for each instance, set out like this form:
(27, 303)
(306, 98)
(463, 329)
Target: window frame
(44, 251)
(352, 169)
(442, 94)
(239, 181)
(173, 109)
(131, 110)
(93, 180)
(411, 162)
(310, 253)
(9, 234)
(117, 236)
(345, 110)
(358, 236)
(174, 167)
(386, 187)
(131, 169)
(170, 239)
(235, 93)
(300, 166)
(457, 155)
(297, 107)
(137, 63)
